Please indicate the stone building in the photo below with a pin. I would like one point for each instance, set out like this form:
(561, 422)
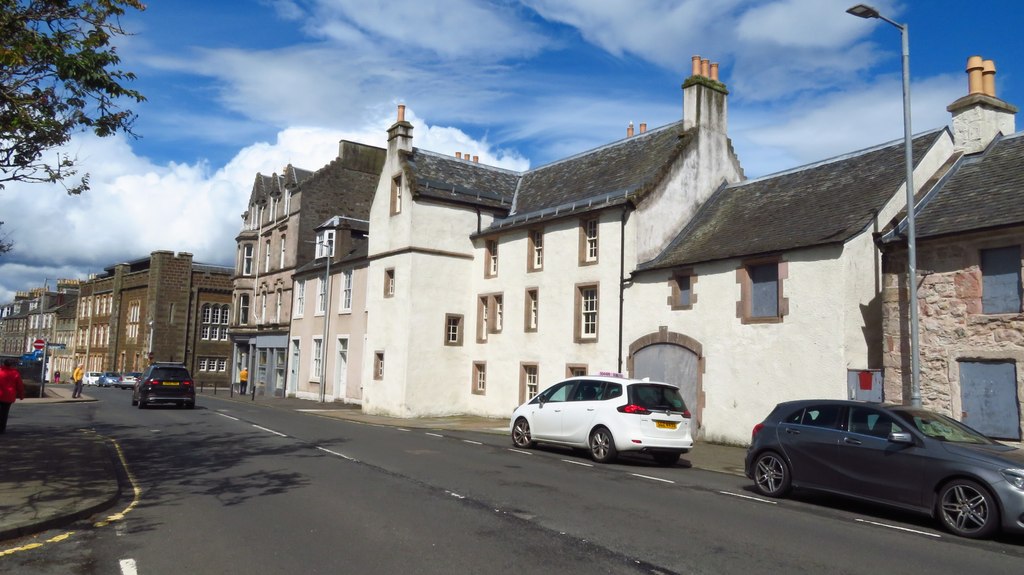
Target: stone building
(969, 238)
(277, 238)
(164, 307)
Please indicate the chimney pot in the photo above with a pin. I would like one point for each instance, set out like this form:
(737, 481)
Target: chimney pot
(695, 66)
(988, 78)
(476, 159)
(974, 82)
(458, 155)
(629, 130)
(714, 71)
(401, 112)
(643, 127)
(705, 67)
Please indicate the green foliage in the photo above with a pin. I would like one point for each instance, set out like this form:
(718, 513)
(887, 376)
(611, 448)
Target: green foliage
(59, 76)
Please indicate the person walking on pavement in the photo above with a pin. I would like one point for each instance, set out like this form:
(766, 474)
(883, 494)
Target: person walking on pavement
(11, 388)
(243, 380)
(56, 376)
(76, 378)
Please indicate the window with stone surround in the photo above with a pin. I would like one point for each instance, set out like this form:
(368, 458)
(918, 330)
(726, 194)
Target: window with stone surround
(479, 377)
(681, 289)
(761, 291)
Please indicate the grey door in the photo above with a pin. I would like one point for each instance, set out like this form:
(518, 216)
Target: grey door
(988, 392)
(671, 364)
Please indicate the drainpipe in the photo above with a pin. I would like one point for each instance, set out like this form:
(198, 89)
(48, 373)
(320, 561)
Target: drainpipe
(622, 277)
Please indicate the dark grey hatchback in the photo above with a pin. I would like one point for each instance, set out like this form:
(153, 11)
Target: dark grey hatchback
(900, 456)
(165, 383)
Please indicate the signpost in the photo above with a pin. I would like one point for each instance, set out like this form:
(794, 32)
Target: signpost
(39, 344)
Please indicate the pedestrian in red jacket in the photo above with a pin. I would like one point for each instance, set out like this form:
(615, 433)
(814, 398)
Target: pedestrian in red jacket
(11, 388)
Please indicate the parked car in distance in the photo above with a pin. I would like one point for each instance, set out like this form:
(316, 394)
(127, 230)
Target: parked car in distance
(109, 379)
(607, 415)
(92, 378)
(128, 379)
(900, 456)
(165, 383)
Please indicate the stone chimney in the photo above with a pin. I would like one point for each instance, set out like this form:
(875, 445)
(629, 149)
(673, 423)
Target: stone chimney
(979, 116)
(704, 98)
(400, 133)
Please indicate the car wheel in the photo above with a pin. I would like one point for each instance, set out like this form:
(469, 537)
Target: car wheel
(968, 510)
(134, 402)
(521, 434)
(771, 475)
(190, 406)
(142, 404)
(666, 459)
(602, 446)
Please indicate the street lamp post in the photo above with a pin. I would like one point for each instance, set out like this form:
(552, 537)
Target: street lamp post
(328, 250)
(864, 11)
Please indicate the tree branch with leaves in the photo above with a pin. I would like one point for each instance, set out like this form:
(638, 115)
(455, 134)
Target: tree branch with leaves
(59, 76)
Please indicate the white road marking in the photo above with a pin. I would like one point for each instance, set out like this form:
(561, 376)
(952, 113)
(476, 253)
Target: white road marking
(128, 567)
(520, 451)
(434, 434)
(472, 442)
(456, 495)
(578, 463)
(401, 429)
(749, 497)
(341, 455)
(269, 430)
(652, 478)
(228, 416)
(898, 528)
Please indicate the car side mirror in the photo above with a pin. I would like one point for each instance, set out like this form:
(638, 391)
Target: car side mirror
(901, 437)
(541, 401)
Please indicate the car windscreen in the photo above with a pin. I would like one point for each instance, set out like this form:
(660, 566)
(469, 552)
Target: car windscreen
(942, 428)
(657, 397)
(170, 374)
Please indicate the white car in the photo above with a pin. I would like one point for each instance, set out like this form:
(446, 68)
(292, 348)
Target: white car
(92, 377)
(607, 415)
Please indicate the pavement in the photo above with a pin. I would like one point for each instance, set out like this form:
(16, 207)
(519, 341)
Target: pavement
(48, 481)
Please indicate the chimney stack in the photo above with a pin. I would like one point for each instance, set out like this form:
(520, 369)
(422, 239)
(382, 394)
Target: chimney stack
(980, 116)
(400, 133)
(704, 97)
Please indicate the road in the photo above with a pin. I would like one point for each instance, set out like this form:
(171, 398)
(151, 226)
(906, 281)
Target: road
(235, 487)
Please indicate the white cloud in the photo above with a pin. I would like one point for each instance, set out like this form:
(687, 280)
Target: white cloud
(136, 207)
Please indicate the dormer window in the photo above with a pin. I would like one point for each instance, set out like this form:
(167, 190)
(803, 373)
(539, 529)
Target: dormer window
(325, 244)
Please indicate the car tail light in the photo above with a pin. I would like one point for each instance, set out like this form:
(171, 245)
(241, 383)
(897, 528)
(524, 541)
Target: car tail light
(635, 409)
(755, 431)
(686, 414)
(153, 382)
(187, 382)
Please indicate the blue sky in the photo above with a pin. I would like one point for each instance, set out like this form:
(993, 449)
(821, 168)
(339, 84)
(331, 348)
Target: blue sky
(237, 87)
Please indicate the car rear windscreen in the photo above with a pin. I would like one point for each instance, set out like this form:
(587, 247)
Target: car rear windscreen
(657, 397)
(170, 374)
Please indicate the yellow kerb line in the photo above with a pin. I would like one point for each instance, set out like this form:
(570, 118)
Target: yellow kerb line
(137, 495)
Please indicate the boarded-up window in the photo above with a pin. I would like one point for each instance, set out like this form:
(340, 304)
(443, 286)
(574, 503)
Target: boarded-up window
(764, 280)
(1000, 277)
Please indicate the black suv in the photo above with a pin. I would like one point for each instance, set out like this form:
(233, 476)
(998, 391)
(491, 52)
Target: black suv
(165, 383)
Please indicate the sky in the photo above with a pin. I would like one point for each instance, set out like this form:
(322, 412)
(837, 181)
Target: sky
(240, 87)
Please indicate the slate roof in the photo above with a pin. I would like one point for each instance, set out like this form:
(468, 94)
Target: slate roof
(454, 179)
(984, 190)
(609, 175)
(822, 203)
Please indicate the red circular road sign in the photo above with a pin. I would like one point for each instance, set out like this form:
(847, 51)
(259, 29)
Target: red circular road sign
(38, 344)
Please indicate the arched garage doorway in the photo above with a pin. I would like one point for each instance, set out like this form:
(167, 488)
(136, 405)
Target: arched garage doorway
(673, 358)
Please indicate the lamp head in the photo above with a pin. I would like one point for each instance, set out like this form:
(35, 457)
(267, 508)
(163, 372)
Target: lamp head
(863, 11)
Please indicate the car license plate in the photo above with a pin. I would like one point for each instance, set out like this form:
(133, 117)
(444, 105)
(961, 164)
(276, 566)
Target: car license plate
(666, 424)
(172, 383)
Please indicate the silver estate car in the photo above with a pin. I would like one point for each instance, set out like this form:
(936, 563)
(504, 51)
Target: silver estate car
(899, 456)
